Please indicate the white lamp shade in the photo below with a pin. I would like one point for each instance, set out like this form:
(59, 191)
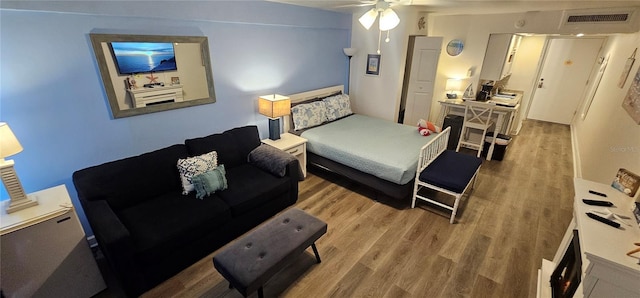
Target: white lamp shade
(388, 19)
(368, 18)
(274, 105)
(9, 144)
(453, 84)
(349, 51)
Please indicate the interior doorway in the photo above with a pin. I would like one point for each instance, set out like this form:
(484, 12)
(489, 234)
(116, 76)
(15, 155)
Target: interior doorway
(563, 77)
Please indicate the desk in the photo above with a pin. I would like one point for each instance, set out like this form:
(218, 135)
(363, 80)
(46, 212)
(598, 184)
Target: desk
(502, 112)
(606, 269)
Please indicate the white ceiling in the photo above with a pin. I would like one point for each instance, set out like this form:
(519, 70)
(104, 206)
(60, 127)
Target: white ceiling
(465, 6)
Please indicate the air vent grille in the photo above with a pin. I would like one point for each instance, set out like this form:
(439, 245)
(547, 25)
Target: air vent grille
(620, 17)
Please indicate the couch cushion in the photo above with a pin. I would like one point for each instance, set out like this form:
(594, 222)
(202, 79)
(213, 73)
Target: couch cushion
(128, 181)
(246, 138)
(172, 219)
(232, 146)
(250, 187)
(227, 149)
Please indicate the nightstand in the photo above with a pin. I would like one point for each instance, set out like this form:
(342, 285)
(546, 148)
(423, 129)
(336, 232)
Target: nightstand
(44, 250)
(294, 145)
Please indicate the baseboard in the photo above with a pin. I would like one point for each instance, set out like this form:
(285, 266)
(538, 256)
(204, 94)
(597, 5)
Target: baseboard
(575, 148)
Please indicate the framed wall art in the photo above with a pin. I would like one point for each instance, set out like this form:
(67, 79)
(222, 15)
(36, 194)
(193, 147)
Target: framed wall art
(631, 102)
(373, 64)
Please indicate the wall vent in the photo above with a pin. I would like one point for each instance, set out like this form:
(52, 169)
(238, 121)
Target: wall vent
(596, 18)
(609, 20)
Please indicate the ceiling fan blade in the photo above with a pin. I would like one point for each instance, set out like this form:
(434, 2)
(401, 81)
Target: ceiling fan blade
(361, 4)
(353, 5)
(399, 2)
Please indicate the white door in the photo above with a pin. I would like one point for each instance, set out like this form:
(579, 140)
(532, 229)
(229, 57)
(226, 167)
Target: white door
(563, 78)
(422, 75)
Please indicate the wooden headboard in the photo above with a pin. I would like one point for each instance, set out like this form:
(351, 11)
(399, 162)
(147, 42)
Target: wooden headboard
(298, 97)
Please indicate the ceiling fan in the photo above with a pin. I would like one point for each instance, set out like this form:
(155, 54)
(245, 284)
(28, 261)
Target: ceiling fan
(388, 18)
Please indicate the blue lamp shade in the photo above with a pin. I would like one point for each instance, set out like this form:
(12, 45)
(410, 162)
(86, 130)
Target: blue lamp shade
(274, 106)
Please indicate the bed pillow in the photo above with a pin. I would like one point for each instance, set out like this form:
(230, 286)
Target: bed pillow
(308, 115)
(338, 106)
(192, 166)
(209, 182)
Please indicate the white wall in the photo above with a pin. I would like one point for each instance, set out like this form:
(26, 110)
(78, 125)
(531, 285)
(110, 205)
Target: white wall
(525, 68)
(379, 96)
(608, 139)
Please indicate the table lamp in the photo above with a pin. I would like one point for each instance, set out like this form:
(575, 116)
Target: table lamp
(452, 86)
(9, 145)
(274, 106)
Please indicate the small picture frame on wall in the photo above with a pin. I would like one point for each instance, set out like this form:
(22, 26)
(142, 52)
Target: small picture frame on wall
(175, 80)
(373, 64)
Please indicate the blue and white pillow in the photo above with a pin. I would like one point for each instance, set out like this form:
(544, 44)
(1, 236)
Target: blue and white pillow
(192, 166)
(308, 115)
(338, 106)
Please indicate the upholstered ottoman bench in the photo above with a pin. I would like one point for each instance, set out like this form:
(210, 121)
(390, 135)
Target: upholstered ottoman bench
(252, 259)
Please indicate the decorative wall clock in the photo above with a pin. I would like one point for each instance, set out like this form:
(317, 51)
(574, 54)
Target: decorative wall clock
(454, 47)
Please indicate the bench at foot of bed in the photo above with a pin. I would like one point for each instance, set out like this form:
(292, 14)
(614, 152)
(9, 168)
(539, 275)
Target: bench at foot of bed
(444, 171)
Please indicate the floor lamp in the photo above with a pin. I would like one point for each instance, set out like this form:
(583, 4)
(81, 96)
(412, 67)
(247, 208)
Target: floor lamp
(9, 145)
(349, 52)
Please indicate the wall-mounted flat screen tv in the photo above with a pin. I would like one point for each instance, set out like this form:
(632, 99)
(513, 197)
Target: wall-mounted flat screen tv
(141, 57)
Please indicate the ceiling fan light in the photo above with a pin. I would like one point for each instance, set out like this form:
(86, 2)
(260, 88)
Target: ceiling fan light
(368, 18)
(388, 19)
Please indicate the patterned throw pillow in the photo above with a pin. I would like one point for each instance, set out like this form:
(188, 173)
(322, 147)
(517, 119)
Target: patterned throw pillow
(189, 167)
(338, 106)
(308, 115)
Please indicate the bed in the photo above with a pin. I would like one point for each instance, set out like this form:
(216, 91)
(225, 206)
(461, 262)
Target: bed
(378, 153)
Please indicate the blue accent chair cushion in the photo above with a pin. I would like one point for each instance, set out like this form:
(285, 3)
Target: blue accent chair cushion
(451, 170)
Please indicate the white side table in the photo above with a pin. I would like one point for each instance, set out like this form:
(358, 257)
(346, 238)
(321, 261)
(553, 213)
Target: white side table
(44, 251)
(294, 145)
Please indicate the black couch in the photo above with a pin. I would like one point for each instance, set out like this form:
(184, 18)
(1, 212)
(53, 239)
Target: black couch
(148, 230)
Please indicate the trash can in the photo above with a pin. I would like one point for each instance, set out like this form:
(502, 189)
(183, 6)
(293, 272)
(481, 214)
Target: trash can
(499, 148)
(456, 127)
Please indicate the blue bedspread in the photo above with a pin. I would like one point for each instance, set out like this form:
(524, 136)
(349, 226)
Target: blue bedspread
(378, 147)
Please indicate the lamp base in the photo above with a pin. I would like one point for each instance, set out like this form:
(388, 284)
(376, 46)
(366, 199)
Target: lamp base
(274, 129)
(17, 205)
(452, 95)
(19, 199)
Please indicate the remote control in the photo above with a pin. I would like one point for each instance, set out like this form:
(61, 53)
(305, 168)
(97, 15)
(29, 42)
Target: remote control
(597, 193)
(597, 203)
(603, 220)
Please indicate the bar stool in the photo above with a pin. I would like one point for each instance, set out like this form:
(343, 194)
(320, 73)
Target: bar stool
(477, 115)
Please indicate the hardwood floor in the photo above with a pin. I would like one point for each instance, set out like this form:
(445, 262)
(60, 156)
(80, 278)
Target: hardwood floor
(377, 247)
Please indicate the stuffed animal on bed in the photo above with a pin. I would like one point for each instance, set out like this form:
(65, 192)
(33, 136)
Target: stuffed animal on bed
(425, 128)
